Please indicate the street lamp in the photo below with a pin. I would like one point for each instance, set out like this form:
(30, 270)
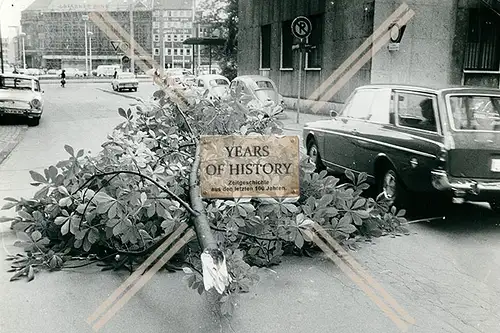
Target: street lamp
(90, 33)
(85, 18)
(22, 34)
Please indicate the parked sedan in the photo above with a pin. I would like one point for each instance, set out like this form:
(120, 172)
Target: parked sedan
(415, 141)
(258, 91)
(125, 80)
(20, 95)
(215, 86)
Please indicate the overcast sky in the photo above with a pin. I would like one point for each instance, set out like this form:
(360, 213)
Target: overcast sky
(10, 14)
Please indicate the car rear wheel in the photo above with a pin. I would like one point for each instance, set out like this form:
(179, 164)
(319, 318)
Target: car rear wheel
(495, 205)
(390, 184)
(314, 156)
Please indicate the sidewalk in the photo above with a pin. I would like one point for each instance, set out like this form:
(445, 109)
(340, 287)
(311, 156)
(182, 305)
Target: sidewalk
(10, 136)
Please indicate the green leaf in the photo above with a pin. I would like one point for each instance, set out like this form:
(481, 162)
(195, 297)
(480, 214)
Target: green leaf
(36, 235)
(122, 113)
(325, 201)
(359, 203)
(299, 240)
(70, 150)
(60, 220)
(65, 228)
(93, 235)
(53, 172)
(102, 197)
(65, 202)
(25, 215)
(350, 175)
(37, 177)
(63, 190)
(9, 205)
(10, 199)
(80, 153)
(187, 270)
(4, 219)
(74, 225)
(112, 212)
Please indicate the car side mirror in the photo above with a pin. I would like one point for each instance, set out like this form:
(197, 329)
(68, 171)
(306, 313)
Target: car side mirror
(333, 113)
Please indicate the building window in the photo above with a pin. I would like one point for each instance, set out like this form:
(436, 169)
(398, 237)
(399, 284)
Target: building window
(181, 52)
(156, 38)
(156, 13)
(169, 51)
(156, 25)
(175, 38)
(175, 52)
(265, 46)
(157, 51)
(169, 37)
(482, 51)
(314, 57)
(188, 52)
(287, 41)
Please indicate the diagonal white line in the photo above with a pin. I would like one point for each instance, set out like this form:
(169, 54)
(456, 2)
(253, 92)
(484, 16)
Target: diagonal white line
(381, 29)
(360, 63)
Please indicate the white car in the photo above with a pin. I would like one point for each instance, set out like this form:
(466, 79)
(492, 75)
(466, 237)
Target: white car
(34, 71)
(124, 81)
(215, 86)
(20, 95)
(71, 72)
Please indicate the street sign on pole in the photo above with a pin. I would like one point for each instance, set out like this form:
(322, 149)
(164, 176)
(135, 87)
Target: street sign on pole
(115, 44)
(301, 29)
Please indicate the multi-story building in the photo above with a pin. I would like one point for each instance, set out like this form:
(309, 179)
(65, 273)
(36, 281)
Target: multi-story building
(5, 50)
(175, 18)
(445, 42)
(56, 37)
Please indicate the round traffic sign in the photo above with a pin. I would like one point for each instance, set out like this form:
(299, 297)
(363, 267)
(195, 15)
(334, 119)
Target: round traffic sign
(125, 59)
(301, 27)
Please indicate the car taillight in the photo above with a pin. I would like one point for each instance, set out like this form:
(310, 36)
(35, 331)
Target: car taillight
(36, 104)
(441, 158)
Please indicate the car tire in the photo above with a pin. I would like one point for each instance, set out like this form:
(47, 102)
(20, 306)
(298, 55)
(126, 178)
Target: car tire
(314, 156)
(495, 205)
(392, 186)
(33, 122)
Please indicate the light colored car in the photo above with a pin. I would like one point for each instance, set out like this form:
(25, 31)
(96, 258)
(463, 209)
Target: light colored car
(257, 91)
(106, 70)
(34, 71)
(72, 72)
(214, 86)
(20, 95)
(125, 80)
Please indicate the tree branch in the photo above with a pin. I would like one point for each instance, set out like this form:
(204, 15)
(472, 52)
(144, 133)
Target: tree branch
(173, 195)
(205, 236)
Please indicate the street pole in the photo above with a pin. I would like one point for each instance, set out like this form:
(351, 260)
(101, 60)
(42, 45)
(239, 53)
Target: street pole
(23, 35)
(132, 52)
(162, 42)
(1, 48)
(85, 18)
(90, 33)
(300, 78)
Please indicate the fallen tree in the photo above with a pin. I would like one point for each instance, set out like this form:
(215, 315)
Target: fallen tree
(117, 207)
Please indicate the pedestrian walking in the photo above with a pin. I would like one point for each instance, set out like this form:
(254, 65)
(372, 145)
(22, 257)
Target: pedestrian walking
(156, 75)
(63, 78)
(115, 74)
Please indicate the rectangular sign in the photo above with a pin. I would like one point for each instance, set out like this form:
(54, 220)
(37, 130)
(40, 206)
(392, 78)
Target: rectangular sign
(249, 166)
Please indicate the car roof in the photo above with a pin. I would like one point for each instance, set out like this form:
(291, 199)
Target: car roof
(19, 76)
(212, 76)
(253, 77)
(436, 89)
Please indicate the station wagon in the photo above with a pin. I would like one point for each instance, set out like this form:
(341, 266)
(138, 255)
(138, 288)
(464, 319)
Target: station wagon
(415, 141)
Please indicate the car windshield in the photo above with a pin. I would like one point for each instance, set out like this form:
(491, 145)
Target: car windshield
(264, 85)
(476, 113)
(15, 83)
(218, 82)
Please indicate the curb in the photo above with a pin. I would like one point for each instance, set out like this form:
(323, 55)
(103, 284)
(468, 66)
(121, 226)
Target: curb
(5, 152)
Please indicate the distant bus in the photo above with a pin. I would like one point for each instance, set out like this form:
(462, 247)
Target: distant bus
(107, 70)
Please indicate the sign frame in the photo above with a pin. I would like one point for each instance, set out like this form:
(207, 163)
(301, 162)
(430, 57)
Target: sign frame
(300, 23)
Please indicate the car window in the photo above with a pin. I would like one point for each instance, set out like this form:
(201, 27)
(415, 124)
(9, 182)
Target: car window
(15, 83)
(264, 85)
(359, 106)
(218, 82)
(475, 113)
(416, 111)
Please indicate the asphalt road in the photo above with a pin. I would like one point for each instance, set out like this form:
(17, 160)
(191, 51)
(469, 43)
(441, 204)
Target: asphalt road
(445, 275)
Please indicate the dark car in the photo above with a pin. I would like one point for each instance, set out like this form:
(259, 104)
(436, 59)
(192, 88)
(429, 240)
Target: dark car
(415, 141)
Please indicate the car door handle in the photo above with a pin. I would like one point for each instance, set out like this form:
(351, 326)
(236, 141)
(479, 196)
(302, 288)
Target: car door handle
(354, 131)
(362, 143)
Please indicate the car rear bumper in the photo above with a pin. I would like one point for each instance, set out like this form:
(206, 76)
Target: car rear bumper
(464, 187)
(28, 113)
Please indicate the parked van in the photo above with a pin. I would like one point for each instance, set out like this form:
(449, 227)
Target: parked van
(107, 70)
